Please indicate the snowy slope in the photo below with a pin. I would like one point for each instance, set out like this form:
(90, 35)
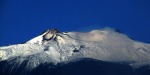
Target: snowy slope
(57, 47)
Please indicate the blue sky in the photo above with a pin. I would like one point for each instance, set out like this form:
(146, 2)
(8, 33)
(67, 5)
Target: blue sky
(21, 20)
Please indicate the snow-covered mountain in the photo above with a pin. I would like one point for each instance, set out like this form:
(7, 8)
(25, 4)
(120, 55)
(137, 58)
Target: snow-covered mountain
(52, 46)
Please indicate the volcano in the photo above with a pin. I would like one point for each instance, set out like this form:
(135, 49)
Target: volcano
(104, 52)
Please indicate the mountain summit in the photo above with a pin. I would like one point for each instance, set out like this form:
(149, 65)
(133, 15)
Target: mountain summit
(57, 47)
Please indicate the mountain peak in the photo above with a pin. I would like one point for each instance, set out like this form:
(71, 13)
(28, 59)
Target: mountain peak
(45, 36)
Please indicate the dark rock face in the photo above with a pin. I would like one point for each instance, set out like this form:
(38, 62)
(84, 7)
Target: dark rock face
(81, 67)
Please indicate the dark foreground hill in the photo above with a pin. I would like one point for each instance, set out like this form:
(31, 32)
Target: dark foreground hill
(81, 67)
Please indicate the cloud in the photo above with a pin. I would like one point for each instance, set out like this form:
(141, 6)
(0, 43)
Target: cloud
(100, 35)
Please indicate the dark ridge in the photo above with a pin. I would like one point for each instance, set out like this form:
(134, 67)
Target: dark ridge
(117, 30)
(80, 67)
(132, 38)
